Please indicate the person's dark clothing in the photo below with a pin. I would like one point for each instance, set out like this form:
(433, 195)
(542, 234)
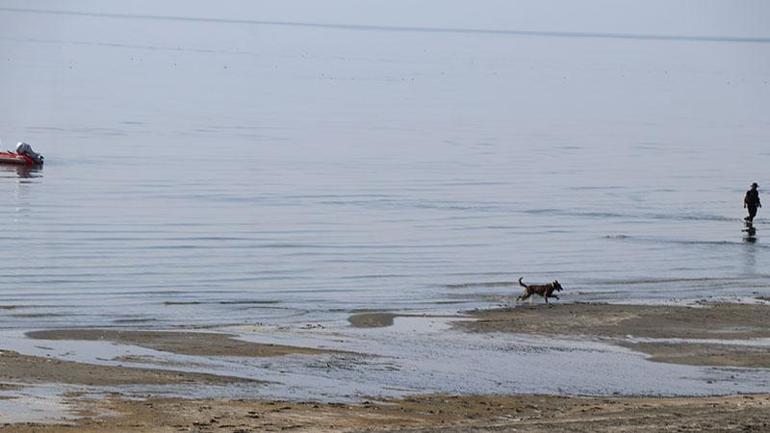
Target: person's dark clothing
(752, 198)
(752, 213)
(752, 203)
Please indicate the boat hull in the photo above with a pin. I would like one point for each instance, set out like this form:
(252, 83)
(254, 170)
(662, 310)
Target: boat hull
(15, 159)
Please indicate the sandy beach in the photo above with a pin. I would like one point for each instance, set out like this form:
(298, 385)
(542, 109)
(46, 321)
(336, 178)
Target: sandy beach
(717, 334)
(748, 413)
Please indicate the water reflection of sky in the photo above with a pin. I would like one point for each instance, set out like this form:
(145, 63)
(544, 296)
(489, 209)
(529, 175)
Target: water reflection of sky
(208, 170)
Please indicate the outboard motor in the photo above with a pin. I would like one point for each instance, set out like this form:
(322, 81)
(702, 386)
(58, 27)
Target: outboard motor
(26, 150)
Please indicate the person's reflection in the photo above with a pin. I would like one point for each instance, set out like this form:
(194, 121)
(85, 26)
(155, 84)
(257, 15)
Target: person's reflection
(750, 257)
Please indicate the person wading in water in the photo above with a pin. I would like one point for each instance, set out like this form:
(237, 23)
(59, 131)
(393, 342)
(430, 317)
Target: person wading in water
(751, 201)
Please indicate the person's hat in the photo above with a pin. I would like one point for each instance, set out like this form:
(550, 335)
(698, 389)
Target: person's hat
(754, 185)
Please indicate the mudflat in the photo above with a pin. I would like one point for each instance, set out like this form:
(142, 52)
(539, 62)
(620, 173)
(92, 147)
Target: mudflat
(722, 320)
(717, 355)
(715, 325)
(427, 414)
(183, 343)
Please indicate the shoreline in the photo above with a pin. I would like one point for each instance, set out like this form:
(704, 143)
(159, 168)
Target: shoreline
(719, 334)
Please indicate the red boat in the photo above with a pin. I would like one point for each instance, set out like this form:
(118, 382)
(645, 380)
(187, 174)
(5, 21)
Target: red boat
(24, 155)
(15, 158)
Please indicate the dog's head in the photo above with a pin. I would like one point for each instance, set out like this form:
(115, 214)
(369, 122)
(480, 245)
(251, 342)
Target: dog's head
(556, 286)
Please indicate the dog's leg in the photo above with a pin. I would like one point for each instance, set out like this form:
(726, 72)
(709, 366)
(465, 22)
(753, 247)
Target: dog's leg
(524, 297)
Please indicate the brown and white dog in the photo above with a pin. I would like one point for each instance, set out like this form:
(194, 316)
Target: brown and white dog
(544, 290)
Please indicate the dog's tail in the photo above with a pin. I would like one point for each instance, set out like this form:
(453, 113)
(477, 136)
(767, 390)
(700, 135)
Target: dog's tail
(522, 284)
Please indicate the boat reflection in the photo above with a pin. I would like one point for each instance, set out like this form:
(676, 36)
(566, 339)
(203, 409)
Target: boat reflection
(21, 171)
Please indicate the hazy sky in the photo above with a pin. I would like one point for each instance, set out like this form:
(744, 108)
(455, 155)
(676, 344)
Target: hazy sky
(679, 17)
(234, 63)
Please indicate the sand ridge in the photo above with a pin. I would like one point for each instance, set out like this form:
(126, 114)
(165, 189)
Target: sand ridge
(183, 343)
(16, 367)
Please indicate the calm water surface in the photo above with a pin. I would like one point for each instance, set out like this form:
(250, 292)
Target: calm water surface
(243, 169)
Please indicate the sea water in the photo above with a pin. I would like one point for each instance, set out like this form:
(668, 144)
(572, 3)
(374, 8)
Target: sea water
(254, 162)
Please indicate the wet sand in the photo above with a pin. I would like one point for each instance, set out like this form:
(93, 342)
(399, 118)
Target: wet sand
(385, 319)
(15, 367)
(617, 324)
(8, 387)
(623, 324)
(183, 343)
(717, 355)
(371, 320)
(422, 414)
(723, 321)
